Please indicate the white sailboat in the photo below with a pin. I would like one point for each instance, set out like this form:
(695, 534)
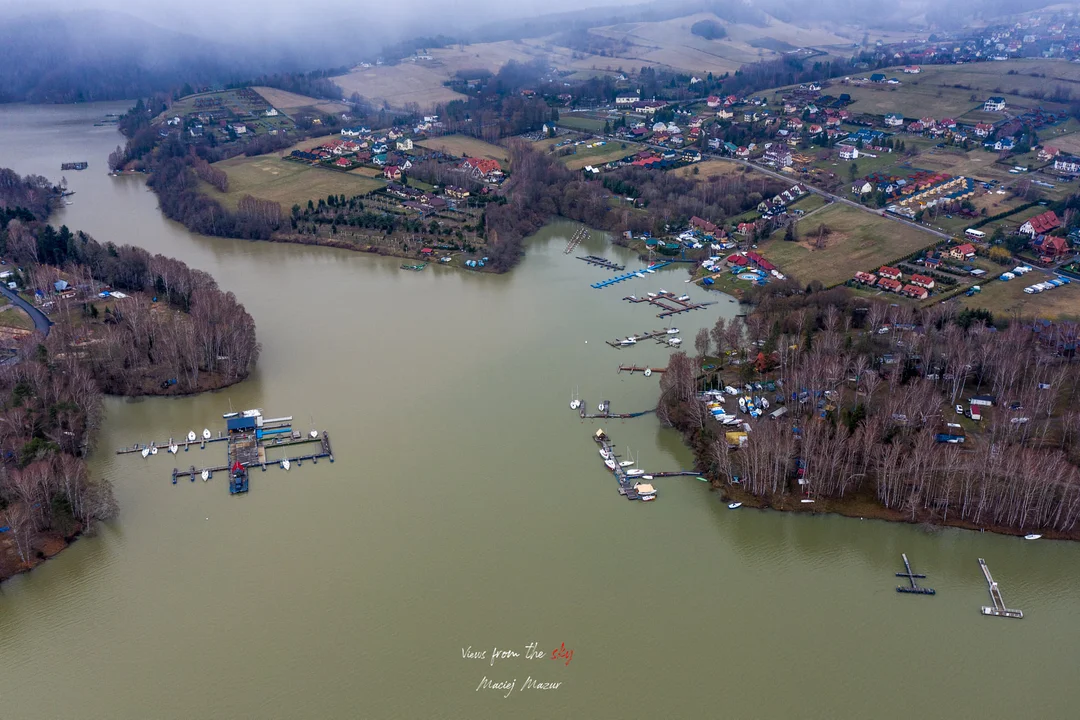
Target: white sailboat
(603, 453)
(1032, 536)
(734, 505)
(674, 342)
(173, 448)
(206, 433)
(205, 475)
(145, 451)
(673, 331)
(683, 298)
(610, 464)
(636, 472)
(575, 401)
(627, 463)
(285, 463)
(153, 450)
(191, 436)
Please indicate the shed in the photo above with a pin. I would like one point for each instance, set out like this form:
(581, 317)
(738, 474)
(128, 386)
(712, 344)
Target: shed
(60, 285)
(645, 489)
(778, 412)
(240, 424)
(987, 400)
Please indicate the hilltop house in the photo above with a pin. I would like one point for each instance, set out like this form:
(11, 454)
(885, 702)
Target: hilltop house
(1041, 224)
(994, 104)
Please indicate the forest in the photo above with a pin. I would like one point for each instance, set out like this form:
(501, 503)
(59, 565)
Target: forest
(867, 387)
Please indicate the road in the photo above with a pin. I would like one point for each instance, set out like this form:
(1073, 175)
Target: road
(41, 323)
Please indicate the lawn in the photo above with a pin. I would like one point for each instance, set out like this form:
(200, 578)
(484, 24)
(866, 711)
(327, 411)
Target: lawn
(709, 168)
(14, 317)
(598, 154)
(463, 146)
(271, 178)
(1005, 299)
(578, 122)
(859, 241)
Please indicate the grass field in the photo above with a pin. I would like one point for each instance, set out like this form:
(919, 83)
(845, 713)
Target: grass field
(286, 101)
(598, 155)
(268, 177)
(578, 122)
(1005, 299)
(859, 241)
(463, 146)
(709, 168)
(13, 317)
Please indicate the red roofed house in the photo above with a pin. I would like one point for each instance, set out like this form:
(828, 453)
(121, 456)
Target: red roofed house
(919, 293)
(962, 252)
(1041, 224)
(1050, 246)
(392, 172)
(1048, 153)
(713, 101)
(889, 284)
(737, 260)
(746, 228)
(889, 272)
(703, 225)
(983, 129)
(922, 281)
(482, 167)
(760, 261)
(342, 162)
(866, 278)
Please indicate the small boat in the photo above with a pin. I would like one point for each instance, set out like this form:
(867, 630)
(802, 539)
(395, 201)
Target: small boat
(145, 451)
(648, 372)
(673, 331)
(646, 477)
(765, 403)
(636, 472)
(652, 295)
(314, 433)
(603, 453)
(1032, 536)
(230, 415)
(626, 463)
(285, 463)
(640, 274)
(649, 270)
(647, 498)
(734, 505)
(191, 436)
(417, 267)
(153, 450)
(205, 475)
(742, 404)
(806, 500)
(628, 341)
(683, 298)
(663, 291)
(674, 342)
(610, 463)
(703, 479)
(173, 448)
(206, 433)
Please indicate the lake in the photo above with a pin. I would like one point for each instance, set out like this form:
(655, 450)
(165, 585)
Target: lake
(468, 507)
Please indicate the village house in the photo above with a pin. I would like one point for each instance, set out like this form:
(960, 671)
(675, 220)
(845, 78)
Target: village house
(777, 157)
(890, 272)
(1048, 153)
(994, 104)
(649, 106)
(983, 129)
(404, 144)
(912, 69)
(713, 101)
(913, 291)
(1050, 247)
(392, 172)
(482, 168)
(894, 120)
(1041, 224)
(272, 112)
(743, 152)
(343, 163)
(725, 114)
(238, 128)
(962, 252)
(1067, 165)
(890, 285)
(923, 281)
(456, 193)
(848, 152)
(622, 100)
(703, 225)
(865, 278)
(877, 78)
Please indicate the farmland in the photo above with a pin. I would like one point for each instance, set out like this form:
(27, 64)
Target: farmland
(709, 168)
(1005, 299)
(463, 146)
(286, 101)
(269, 177)
(241, 104)
(859, 241)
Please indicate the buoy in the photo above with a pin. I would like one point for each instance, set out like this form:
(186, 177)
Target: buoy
(586, 342)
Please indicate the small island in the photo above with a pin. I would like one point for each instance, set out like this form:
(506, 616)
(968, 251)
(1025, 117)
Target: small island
(107, 320)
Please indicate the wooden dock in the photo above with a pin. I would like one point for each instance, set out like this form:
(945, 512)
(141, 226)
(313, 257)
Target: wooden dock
(669, 303)
(913, 587)
(602, 262)
(183, 445)
(644, 370)
(998, 609)
(661, 335)
(604, 412)
(581, 233)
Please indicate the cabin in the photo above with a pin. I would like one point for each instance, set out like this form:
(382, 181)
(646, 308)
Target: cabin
(983, 400)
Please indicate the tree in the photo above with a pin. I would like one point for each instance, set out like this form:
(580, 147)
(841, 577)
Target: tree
(789, 233)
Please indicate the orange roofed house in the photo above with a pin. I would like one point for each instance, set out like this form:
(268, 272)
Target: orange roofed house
(482, 168)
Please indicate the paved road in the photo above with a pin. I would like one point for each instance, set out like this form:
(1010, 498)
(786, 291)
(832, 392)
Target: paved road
(41, 323)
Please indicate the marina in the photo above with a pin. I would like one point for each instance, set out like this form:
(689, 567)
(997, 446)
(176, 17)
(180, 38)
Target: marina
(627, 276)
(248, 436)
(663, 337)
(998, 609)
(914, 587)
(629, 480)
(601, 262)
(669, 303)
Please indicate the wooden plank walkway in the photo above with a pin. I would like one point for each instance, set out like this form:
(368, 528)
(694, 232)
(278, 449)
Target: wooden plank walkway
(601, 262)
(661, 334)
(669, 303)
(998, 609)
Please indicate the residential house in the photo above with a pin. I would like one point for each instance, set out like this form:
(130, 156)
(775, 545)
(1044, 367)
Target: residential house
(962, 252)
(703, 225)
(994, 104)
(760, 261)
(894, 120)
(890, 285)
(622, 100)
(238, 128)
(457, 193)
(877, 78)
(742, 151)
(404, 144)
(649, 106)
(392, 172)
(272, 112)
(912, 69)
(1041, 224)
(848, 152)
(724, 113)
(1050, 246)
(777, 157)
(983, 130)
(343, 163)
(713, 101)
(1067, 164)
(923, 281)
(1048, 153)
(890, 272)
(865, 278)
(983, 400)
(814, 129)
(482, 168)
(914, 291)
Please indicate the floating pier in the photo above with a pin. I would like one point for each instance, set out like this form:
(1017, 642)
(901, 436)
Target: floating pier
(602, 262)
(627, 276)
(999, 609)
(74, 165)
(604, 412)
(669, 303)
(913, 587)
(633, 487)
(581, 234)
(658, 334)
(644, 370)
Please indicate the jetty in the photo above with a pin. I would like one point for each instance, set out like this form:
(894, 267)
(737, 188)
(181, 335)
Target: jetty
(604, 412)
(661, 335)
(998, 609)
(914, 587)
(74, 165)
(581, 234)
(627, 276)
(669, 303)
(644, 369)
(601, 262)
(247, 436)
(634, 487)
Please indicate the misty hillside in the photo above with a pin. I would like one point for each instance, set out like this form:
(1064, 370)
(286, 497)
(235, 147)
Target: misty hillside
(93, 55)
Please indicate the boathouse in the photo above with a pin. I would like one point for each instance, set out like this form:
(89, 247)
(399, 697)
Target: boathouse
(239, 425)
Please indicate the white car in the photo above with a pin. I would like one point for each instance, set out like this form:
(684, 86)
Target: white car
(959, 409)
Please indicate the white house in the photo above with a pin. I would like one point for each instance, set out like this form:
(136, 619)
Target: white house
(626, 99)
(994, 104)
(404, 144)
(1069, 165)
(272, 112)
(238, 128)
(848, 152)
(894, 120)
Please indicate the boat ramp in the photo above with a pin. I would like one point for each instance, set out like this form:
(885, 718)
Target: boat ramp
(998, 609)
(627, 276)
(602, 262)
(668, 302)
(247, 436)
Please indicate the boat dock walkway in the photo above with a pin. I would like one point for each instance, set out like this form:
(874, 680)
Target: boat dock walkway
(669, 303)
(627, 276)
(634, 487)
(604, 412)
(184, 445)
(914, 587)
(581, 233)
(644, 370)
(999, 609)
(661, 335)
(602, 262)
(252, 454)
